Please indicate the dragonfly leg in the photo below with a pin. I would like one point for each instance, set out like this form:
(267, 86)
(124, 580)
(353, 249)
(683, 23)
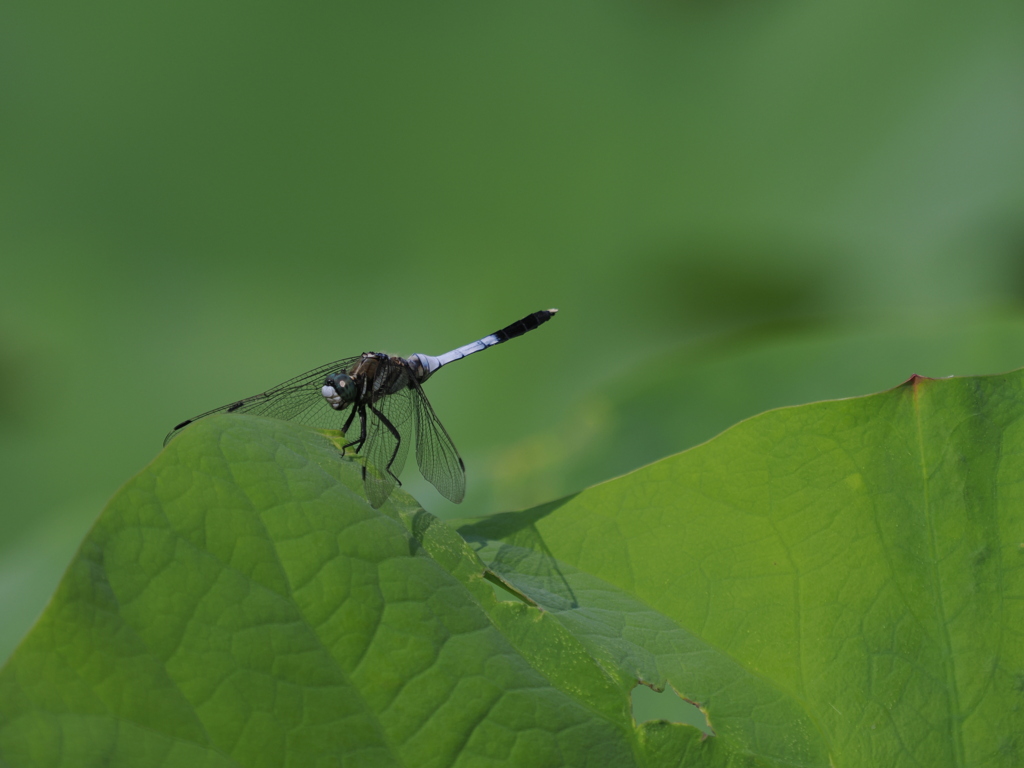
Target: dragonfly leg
(348, 423)
(398, 441)
(358, 442)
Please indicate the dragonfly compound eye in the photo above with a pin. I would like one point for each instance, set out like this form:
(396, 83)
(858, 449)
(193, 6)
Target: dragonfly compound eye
(339, 390)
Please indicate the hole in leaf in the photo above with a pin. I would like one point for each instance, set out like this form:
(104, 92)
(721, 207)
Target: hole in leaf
(502, 594)
(649, 704)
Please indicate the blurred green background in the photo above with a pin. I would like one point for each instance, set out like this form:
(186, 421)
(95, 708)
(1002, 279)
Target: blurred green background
(736, 206)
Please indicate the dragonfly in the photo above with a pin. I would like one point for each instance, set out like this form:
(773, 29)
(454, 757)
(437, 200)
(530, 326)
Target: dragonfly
(385, 393)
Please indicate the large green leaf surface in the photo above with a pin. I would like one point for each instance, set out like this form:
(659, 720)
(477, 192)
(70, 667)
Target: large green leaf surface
(835, 584)
(840, 583)
(240, 604)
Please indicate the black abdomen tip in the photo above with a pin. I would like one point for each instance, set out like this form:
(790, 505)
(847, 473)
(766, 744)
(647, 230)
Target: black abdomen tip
(528, 323)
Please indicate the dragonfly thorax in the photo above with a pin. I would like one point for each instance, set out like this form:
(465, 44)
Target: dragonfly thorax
(374, 376)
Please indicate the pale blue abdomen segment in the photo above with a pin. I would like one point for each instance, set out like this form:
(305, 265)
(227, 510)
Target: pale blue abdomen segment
(425, 365)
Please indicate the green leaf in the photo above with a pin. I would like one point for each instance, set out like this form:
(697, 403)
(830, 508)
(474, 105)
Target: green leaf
(838, 584)
(240, 603)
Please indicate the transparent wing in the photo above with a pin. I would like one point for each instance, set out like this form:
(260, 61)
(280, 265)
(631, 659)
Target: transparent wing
(439, 462)
(297, 399)
(385, 449)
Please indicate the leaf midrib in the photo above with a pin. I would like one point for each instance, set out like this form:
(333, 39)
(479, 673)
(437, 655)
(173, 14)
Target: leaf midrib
(953, 696)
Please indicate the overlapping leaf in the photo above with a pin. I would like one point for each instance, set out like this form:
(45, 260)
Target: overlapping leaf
(861, 561)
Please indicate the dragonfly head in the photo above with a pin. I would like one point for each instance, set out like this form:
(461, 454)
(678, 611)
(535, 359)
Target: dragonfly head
(339, 390)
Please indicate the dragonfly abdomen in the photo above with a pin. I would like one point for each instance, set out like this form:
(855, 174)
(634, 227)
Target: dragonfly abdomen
(425, 365)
